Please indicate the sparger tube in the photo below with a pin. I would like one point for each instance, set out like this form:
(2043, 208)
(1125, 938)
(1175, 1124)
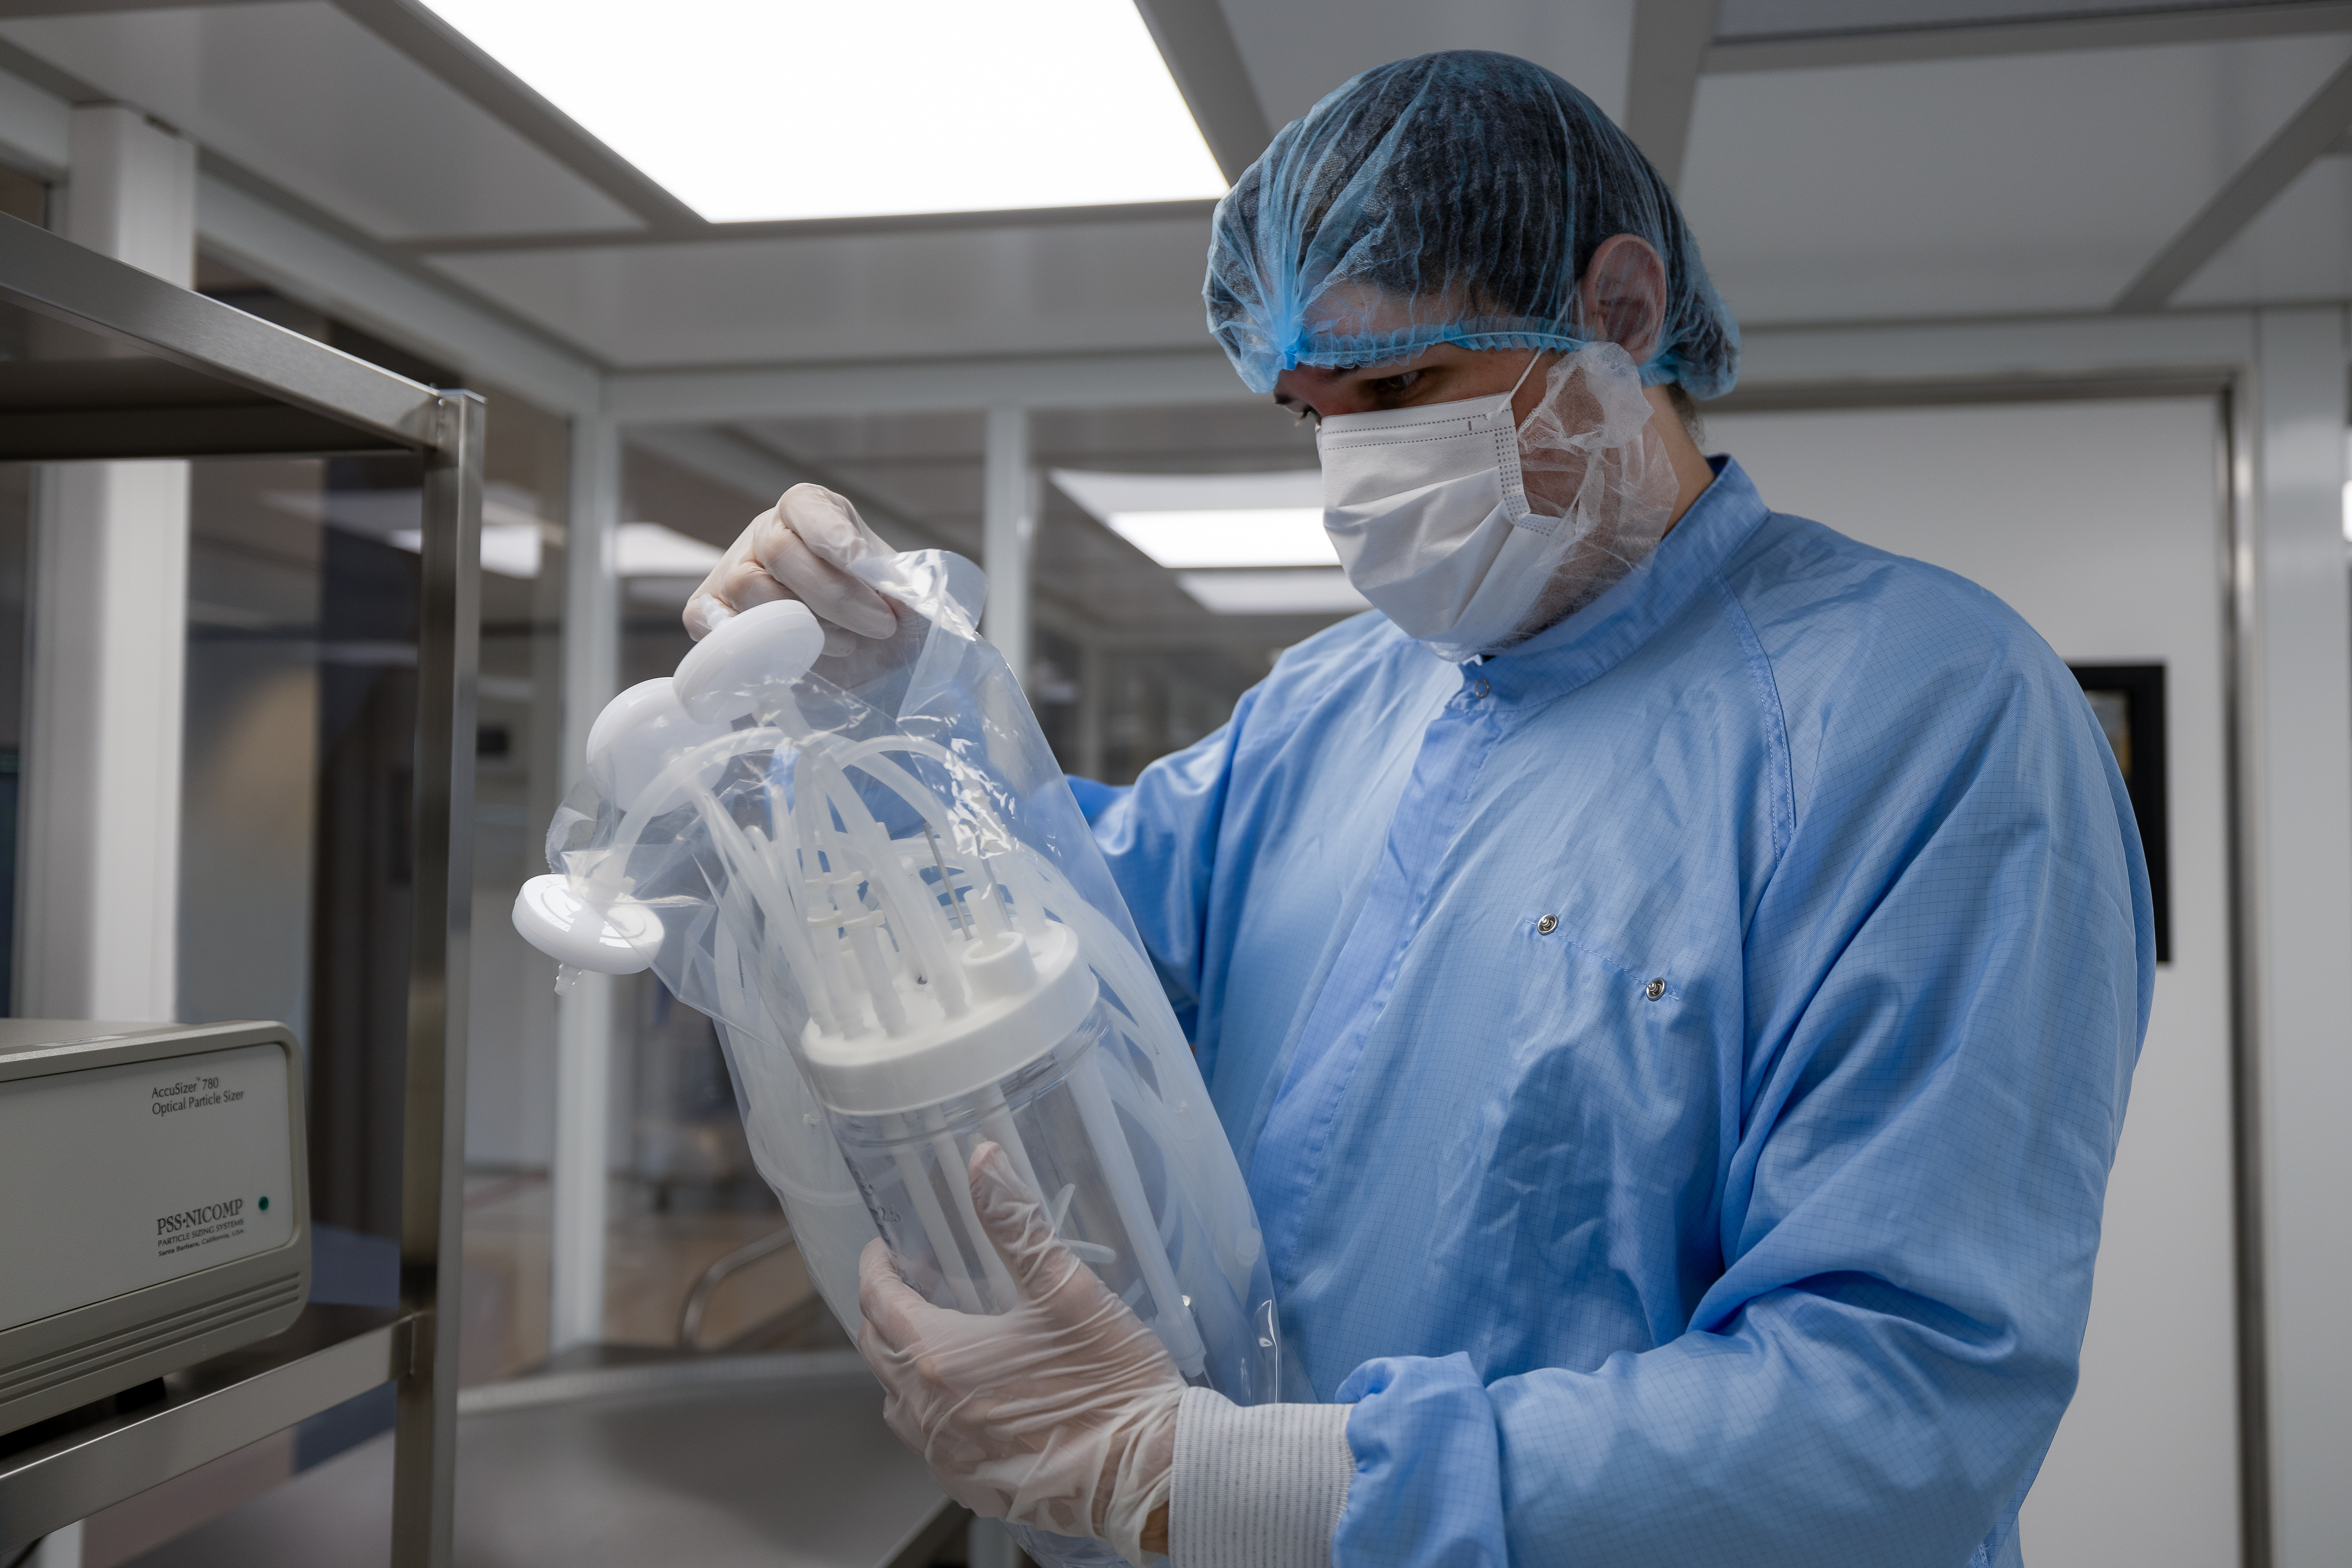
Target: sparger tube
(1117, 1163)
(996, 1119)
(953, 1165)
(936, 1229)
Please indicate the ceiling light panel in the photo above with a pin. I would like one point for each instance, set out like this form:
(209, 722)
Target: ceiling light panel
(650, 550)
(1104, 493)
(1256, 537)
(1323, 592)
(752, 110)
(1187, 521)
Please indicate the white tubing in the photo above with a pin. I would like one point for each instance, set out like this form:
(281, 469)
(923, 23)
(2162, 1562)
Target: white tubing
(958, 1171)
(996, 1118)
(1118, 1163)
(744, 860)
(867, 756)
(880, 988)
(680, 775)
(920, 944)
(922, 940)
(936, 1227)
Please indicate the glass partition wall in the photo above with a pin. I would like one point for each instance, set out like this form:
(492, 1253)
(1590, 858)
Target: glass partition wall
(518, 778)
(695, 1257)
(295, 859)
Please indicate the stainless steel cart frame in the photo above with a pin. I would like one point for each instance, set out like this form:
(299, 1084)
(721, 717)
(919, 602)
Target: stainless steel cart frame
(190, 378)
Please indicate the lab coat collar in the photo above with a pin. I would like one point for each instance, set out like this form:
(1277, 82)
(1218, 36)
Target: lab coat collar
(1586, 644)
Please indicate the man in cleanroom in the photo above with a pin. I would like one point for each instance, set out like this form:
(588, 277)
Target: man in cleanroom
(1671, 977)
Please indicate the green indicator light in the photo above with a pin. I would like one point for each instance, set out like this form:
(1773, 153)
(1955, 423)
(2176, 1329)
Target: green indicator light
(264, 1200)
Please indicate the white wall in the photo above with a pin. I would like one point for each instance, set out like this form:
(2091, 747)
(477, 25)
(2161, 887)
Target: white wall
(98, 890)
(2099, 523)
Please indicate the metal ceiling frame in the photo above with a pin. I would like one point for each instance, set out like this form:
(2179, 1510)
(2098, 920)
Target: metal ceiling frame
(1197, 43)
(1976, 40)
(2316, 128)
(468, 69)
(723, 394)
(800, 229)
(1671, 40)
(9, 8)
(1672, 51)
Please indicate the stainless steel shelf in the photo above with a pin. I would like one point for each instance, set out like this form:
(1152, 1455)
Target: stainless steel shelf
(98, 360)
(216, 1407)
(141, 351)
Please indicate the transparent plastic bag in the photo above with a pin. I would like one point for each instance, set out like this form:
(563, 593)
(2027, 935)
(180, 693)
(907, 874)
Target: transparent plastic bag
(870, 872)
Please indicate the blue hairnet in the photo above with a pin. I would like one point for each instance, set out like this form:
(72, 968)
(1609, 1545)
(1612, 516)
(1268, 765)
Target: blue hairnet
(1455, 198)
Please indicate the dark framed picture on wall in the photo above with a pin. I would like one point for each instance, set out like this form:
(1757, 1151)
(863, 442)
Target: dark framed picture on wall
(2129, 700)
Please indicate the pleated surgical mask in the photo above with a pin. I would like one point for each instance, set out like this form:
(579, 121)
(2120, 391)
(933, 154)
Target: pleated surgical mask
(1469, 532)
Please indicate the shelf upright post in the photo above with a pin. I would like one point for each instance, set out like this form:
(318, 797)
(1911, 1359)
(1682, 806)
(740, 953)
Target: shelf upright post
(585, 1016)
(433, 1134)
(1009, 509)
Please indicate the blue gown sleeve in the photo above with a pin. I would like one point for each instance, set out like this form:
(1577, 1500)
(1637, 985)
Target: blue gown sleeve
(1094, 797)
(1159, 839)
(1947, 976)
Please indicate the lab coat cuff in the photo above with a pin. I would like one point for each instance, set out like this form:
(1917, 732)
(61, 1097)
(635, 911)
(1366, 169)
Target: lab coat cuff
(1257, 1485)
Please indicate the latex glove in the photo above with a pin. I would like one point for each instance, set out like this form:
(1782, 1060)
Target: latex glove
(1060, 1414)
(801, 548)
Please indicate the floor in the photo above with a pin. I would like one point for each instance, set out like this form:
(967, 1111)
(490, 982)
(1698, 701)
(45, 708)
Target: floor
(658, 1245)
(756, 1462)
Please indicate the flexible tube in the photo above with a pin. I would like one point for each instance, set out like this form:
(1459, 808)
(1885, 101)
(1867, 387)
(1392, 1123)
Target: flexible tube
(935, 1225)
(1117, 1162)
(885, 872)
(955, 1168)
(996, 1118)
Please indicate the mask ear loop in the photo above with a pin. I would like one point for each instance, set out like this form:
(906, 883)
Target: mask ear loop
(1534, 361)
(1507, 449)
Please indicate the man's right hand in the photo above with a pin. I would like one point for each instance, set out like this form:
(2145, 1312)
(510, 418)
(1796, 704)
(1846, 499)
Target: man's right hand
(801, 548)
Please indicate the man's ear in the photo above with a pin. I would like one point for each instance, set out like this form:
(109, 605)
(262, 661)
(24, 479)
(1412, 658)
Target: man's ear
(1623, 294)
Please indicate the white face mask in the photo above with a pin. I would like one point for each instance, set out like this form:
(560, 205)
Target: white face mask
(1428, 508)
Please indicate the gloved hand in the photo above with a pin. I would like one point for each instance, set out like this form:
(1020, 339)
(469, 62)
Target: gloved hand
(801, 548)
(1060, 1414)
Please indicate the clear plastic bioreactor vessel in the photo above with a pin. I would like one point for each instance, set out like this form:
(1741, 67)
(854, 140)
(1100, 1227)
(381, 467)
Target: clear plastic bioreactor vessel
(869, 872)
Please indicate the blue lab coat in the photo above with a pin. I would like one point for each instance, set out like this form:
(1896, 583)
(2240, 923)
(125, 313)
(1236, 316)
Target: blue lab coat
(1678, 1062)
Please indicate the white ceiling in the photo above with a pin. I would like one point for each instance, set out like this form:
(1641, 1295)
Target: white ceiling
(304, 97)
(1297, 50)
(2003, 184)
(2011, 185)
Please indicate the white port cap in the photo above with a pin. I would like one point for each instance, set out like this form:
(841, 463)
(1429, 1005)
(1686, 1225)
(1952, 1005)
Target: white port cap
(553, 918)
(768, 645)
(638, 733)
(1028, 995)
